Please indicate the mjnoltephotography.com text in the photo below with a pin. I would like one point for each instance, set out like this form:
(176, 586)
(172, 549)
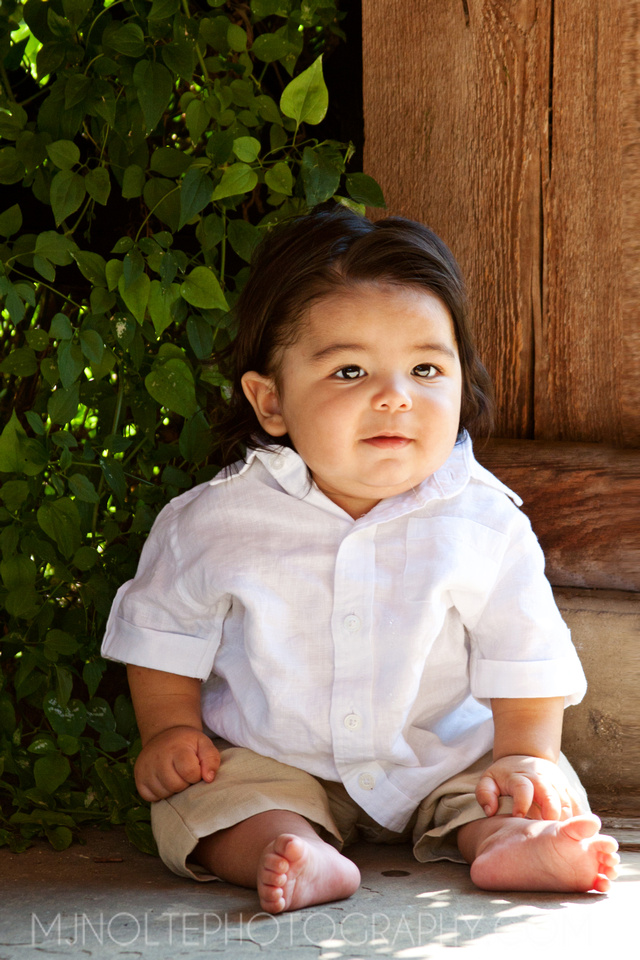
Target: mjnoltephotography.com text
(355, 929)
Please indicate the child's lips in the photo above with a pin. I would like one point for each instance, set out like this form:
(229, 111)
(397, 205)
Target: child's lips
(388, 441)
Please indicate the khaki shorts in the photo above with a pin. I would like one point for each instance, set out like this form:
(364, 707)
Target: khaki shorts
(247, 784)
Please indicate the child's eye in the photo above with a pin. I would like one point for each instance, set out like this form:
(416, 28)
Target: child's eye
(350, 373)
(425, 370)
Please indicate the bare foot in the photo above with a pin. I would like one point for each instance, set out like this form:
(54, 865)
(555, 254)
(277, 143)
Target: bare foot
(554, 855)
(295, 872)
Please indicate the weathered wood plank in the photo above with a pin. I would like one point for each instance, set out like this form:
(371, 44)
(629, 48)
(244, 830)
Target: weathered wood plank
(581, 356)
(583, 501)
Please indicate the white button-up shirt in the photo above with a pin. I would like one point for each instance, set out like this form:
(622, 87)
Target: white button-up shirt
(361, 650)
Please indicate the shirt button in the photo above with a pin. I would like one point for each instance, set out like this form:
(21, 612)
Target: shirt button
(352, 623)
(352, 721)
(366, 781)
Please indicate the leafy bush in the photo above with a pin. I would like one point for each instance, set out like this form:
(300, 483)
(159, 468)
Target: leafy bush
(147, 147)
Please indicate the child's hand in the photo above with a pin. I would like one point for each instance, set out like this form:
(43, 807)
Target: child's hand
(174, 759)
(530, 781)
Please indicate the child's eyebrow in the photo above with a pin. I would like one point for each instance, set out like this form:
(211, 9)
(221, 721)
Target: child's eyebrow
(334, 348)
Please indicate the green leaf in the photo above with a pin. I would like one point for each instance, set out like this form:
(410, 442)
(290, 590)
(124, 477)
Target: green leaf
(60, 838)
(114, 475)
(100, 715)
(60, 520)
(160, 304)
(20, 363)
(70, 720)
(44, 268)
(280, 179)
(76, 90)
(270, 8)
(246, 148)
(70, 362)
(14, 493)
(18, 572)
(269, 47)
(306, 98)
(98, 184)
(39, 340)
(64, 153)
(85, 558)
(128, 40)
(92, 267)
(43, 746)
(195, 194)
(92, 345)
(101, 301)
(200, 335)
(67, 193)
(62, 405)
(92, 674)
(163, 9)
(237, 179)
(171, 384)
(76, 10)
(169, 162)
(10, 221)
(61, 328)
(136, 295)
(179, 57)
(83, 488)
(61, 642)
(236, 38)
(113, 272)
(155, 86)
(163, 198)
(133, 181)
(202, 289)
(197, 119)
(55, 247)
(364, 189)
(196, 439)
(243, 237)
(51, 772)
(11, 453)
(321, 171)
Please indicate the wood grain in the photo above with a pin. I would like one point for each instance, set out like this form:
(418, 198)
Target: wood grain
(580, 346)
(583, 501)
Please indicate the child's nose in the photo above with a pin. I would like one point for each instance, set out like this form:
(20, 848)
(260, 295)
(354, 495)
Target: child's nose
(392, 393)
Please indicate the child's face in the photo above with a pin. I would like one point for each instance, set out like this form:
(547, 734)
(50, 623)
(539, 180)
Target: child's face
(369, 394)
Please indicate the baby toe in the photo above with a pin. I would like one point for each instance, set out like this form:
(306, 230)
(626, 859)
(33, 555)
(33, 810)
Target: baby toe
(275, 864)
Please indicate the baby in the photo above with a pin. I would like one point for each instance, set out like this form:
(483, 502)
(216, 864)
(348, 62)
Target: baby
(348, 632)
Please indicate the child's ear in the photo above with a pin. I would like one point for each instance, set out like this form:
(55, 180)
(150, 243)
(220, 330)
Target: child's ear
(262, 394)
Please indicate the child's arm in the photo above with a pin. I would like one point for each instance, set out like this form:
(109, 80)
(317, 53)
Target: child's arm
(525, 753)
(175, 752)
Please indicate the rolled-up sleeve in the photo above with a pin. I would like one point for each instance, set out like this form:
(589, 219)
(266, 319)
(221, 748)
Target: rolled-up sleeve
(520, 645)
(158, 620)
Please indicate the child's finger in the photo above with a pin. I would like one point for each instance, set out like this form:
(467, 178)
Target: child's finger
(209, 759)
(521, 789)
(488, 795)
(549, 802)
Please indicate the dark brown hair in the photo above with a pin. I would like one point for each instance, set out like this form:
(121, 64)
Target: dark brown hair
(316, 256)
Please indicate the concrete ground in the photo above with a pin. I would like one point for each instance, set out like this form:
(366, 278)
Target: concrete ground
(106, 899)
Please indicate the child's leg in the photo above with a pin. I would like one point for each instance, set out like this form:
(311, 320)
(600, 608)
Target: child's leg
(280, 854)
(511, 853)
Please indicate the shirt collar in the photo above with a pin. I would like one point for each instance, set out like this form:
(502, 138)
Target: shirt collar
(291, 473)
